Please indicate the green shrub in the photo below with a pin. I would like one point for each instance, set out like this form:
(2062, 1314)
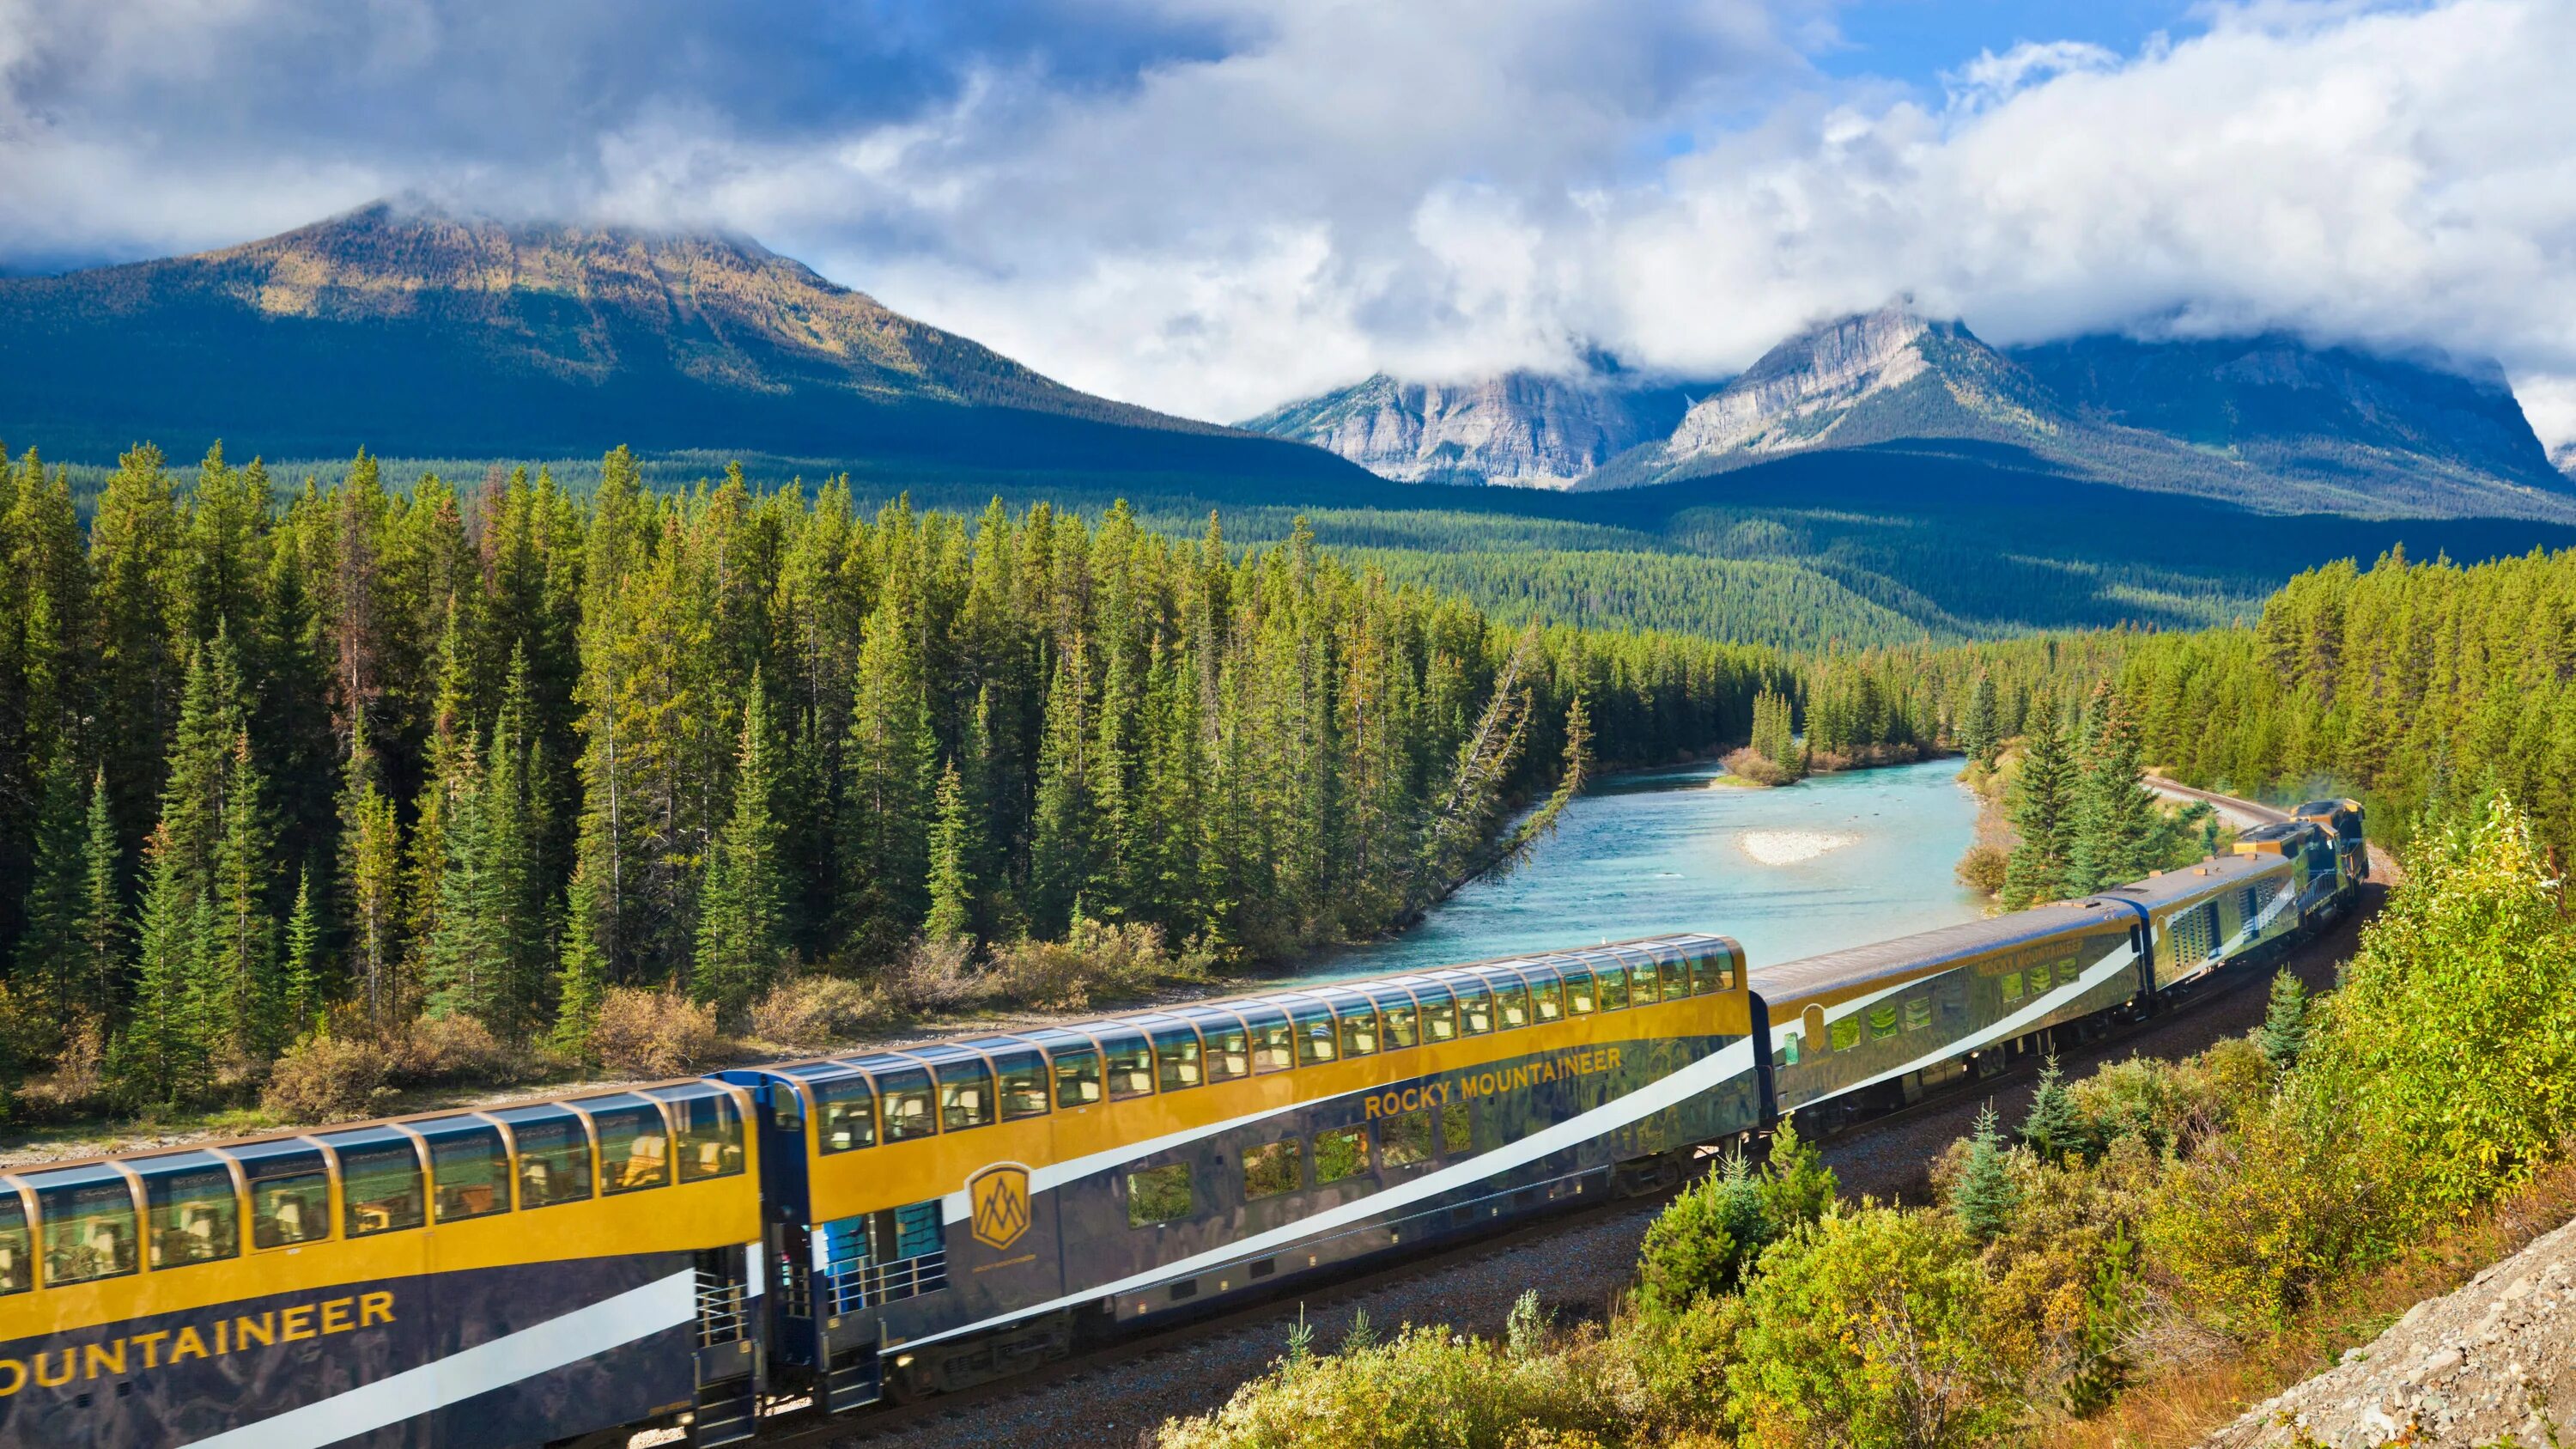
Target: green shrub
(1425, 1389)
(1699, 1244)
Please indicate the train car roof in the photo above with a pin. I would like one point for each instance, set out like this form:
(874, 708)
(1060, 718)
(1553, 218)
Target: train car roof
(1855, 965)
(2215, 874)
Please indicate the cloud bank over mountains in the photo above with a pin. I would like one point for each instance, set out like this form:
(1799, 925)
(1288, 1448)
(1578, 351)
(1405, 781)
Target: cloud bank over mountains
(1210, 206)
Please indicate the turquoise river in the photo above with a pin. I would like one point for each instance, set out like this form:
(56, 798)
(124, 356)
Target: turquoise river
(1834, 861)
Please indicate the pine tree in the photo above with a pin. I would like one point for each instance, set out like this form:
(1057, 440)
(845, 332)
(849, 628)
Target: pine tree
(461, 955)
(952, 889)
(1064, 856)
(2037, 870)
(99, 989)
(2117, 822)
(2284, 1032)
(301, 972)
(248, 1010)
(50, 982)
(1981, 735)
(164, 1056)
(2053, 1129)
(582, 978)
(742, 945)
(371, 880)
(1985, 1195)
(885, 807)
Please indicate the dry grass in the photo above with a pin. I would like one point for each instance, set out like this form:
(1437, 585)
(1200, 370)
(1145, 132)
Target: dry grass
(2182, 1408)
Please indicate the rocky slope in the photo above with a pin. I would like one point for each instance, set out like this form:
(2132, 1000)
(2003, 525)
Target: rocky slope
(1522, 428)
(2494, 1363)
(407, 329)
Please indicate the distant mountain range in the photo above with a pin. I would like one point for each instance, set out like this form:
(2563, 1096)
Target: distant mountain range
(407, 330)
(2267, 422)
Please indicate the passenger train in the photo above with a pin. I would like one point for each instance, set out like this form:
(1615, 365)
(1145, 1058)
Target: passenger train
(841, 1231)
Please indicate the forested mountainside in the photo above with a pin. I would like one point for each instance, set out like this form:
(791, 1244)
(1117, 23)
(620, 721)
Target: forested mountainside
(400, 328)
(486, 753)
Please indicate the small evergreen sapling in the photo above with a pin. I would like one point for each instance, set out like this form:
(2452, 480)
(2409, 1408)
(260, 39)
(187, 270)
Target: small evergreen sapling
(2053, 1129)
(2284, 1032)
(1985, 1195)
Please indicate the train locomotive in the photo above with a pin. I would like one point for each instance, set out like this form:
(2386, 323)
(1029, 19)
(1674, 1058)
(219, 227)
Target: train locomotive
(846, 1230)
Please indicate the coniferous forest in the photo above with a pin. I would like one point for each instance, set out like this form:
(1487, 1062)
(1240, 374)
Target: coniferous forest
(333, 759)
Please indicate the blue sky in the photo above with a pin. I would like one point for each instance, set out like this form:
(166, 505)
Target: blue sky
(1214, 205)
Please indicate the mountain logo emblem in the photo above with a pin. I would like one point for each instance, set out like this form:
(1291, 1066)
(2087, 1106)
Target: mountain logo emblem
(1000, 1195)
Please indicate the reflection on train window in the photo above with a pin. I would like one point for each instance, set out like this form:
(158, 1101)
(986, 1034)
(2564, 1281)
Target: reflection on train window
(1918, 1012)
(189, 1212)
(1846, 1033)
(1405, 1139)
(904, 1098)
(1708, 973)
(1077, 1078)
(1269, 1170)
(710, 1131)
(845, 1113)
(1788, 1055)
(17, 1251)
(1229, 1047)
(1272, 1050)
(1340, 1152)
(380, 1185)
(1579, 997)
(1613, 980)
(290, 1193)
(1457, 1134)
(1315, 1040)
(1023, 1087)
(554, 1156)
(89, 1227)
(1158, 1195)
(1641, 983)
(634, 1144)
(965, 1096)
(1475, 1010)
(1882, 1020)
(1359, 1028)
(1397, 1014)
(1128, 1060)
(1675, 979)
(2012, 986)
(468, 1167)
(1547, 996)
(2039, 978)
(1439, 1014)
(1176, 1058)
(1511, 1004)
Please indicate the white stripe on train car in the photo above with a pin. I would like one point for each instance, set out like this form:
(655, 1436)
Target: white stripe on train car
(1709, 1071)
(557, 1342)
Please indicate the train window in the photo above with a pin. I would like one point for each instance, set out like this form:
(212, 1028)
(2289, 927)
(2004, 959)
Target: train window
(1612, 981)
(1787, 1056)
(1270, 1170)
(1129, 1061)
(2039, 978)
(1580, 997)
(190, 1214)
(1439, 1013)
(290, 1193)
(2012, 986)
(904, 1098)
(1340, 1152)
(1882, 1021)
(1475, 1009)
(1918, 1012)
(17, 1249)
(469, 1169)
(1359, 1027)
(1846, 1033)
(1511, 1004)
(1708, 973)
(1022, 1085)
(966, 1096)
(845, 1113)
(1158, 1195)
(710, 1129)
(1675, 975)
(634, 1143)
(1404, 1139)
(380, 1183)
(1547, 995)
(1399, 1017)
(1177, 1058)
(1229, 1046)
(1641, 983)
(1077, 1077)
(1457, 1134)
(88, 1216)
(553, 1155)
(1272, 1047)
(1315, 1040)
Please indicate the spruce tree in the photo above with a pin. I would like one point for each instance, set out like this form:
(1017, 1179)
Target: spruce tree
(1985, 1195)
(2042, 817)
(2284, 1032)
(163, 1056)
(582, 978)
(952, 889)
(301, 972)
(247, 1011)
(100, 987)
(371, 880)
(49, 980)
(886, 800)
(2117, 821)
(2053, 1129)
(461, 954)
(742, 940)
(1981, 735)
(1063, 856)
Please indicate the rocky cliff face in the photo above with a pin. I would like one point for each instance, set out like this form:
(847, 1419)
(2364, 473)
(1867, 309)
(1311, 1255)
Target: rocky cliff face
(1520, 428)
